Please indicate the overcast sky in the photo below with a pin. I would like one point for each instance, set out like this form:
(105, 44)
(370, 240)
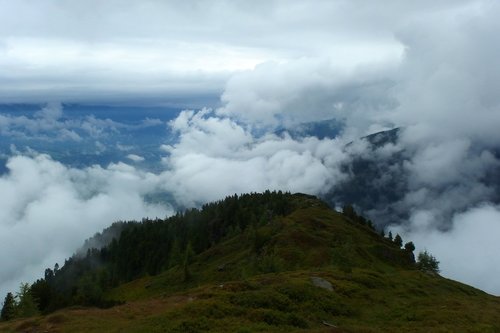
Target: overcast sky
(153, 51)
(430, 66)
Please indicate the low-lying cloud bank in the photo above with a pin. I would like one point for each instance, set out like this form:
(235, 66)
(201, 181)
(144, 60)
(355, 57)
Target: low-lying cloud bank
(467, 251)
(47, 210)
(216, 156)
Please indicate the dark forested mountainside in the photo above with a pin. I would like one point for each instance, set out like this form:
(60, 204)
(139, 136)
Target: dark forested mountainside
(376, 182)
(381, 179)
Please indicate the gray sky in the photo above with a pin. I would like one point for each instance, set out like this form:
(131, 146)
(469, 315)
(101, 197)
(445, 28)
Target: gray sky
(151, 51)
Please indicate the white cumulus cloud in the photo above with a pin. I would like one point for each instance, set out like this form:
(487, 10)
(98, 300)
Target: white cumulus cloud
(47, 210)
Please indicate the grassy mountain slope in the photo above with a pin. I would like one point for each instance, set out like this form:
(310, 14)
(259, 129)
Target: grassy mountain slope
(311, 270)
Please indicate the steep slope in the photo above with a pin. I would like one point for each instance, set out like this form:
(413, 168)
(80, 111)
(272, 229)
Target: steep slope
(378, 179)
(308, 269)
(383, 179)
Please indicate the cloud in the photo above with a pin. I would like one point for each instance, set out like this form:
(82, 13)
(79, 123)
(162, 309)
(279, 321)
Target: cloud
(174, 50)
(51, 124)
(307, 90)
(451, 64)
(135, 158)
(52, 111)
(447, 100)
(48, 209)
(429, 67)
(44, 123)
(215, 156)
(441, 90)
(468, 250)
(53, 207)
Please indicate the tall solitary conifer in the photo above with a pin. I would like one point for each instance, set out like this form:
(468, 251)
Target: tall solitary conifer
(9, 307)
(398, 240)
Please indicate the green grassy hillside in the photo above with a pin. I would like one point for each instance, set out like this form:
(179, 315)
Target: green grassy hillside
(312, 270)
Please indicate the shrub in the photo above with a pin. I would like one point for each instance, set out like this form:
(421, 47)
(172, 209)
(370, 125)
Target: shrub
(427, 262)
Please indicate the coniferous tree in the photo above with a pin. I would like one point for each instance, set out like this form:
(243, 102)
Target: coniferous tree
(9, 307)
(188, 258)
(89, 291)
(348, 210)
(175, 254)
(370, 224)
(390, 236)
(427, 262)
(26, 306)
(42, 293)
(398, 240)
(410, 247)
(49, 274)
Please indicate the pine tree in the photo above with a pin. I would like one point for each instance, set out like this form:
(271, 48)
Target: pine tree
(175, 256)
(369, 223)
(348, 210)
(42, 293)
(188, 258)
(89, 291)
(398, 240)
(9, 307)
(410, 247)
(427, 262)
(26, 306)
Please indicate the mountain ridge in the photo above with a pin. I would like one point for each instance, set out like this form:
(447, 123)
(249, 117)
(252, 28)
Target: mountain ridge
(298, 266)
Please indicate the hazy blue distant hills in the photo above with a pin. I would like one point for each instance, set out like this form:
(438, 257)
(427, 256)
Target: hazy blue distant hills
(124, 114)
(83, 135)
(329, 128)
